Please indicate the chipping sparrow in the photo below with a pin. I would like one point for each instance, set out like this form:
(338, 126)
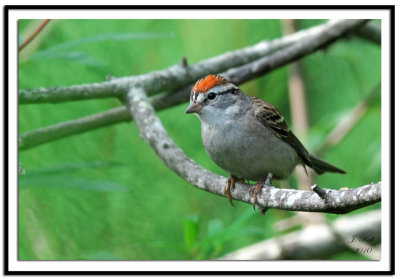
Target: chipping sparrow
(247, 136)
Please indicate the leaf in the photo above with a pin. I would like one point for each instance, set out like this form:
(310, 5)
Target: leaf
(106, 37)
(171, 245)
(71, 167)
(191, 229)
(59, 51)
(218, 235)
(243, 219)
(68, 182)
(20, 39)
(214, 227)
(100, 256)
(59, 176)
(72, 56)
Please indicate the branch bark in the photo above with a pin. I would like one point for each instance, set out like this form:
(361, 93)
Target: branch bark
(177, 76)
(370, 32)
(306, 41)
(153, 132)
(315, 241)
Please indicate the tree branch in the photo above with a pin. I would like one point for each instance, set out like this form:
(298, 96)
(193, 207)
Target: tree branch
(153, 132)
(370, 32)
(177, 76)
(295, 51)
(72, 127)
(309, 39)
(315, 241)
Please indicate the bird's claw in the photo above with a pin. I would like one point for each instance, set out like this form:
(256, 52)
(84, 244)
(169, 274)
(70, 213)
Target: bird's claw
(256, 189)
(231, 185)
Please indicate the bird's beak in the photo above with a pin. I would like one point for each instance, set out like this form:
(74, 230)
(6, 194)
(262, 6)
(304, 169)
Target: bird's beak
(194, 107)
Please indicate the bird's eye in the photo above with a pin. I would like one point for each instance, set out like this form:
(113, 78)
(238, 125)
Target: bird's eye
(212, 95)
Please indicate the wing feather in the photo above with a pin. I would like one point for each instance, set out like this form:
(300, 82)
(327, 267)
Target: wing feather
(271, 118)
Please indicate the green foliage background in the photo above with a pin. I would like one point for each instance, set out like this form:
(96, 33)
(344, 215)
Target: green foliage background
(105, 194)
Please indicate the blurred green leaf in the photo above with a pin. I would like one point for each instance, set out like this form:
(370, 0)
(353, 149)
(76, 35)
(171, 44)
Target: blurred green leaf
(214, 227)
(102, 38)
(217, 236)
(72, 56)
(55, 177)
(20, 39)
(191, 229)
(59, 51)
(73, 167)
(67, 182)
(167, 245)
(100, 256)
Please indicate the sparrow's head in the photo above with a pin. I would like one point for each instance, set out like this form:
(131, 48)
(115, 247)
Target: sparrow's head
(212, 94)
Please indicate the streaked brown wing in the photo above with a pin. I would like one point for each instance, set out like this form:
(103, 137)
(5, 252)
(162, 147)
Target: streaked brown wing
(271, 118)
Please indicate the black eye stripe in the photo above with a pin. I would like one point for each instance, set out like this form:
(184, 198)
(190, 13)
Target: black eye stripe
(232, 91)
(211, 95)
(214, 95)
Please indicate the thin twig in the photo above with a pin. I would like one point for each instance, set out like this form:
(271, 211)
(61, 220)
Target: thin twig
(154, 133)
(34, 34)
(298, 106)
(300, 122)
(320, 192)
(113, 116)
(348, 122)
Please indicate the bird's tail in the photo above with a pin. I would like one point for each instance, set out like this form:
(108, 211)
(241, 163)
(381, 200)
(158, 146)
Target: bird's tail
(320, 166)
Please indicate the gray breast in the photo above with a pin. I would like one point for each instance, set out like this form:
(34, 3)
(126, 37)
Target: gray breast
(248, 149)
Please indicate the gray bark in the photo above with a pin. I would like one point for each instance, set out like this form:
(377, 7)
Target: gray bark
(371, 32)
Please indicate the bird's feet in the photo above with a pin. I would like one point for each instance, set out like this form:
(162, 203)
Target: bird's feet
(230, 185)
(256, 189)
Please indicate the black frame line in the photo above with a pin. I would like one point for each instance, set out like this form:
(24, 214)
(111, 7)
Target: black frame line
(390, 8)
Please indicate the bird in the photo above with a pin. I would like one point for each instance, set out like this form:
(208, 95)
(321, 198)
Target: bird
(247, 137)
